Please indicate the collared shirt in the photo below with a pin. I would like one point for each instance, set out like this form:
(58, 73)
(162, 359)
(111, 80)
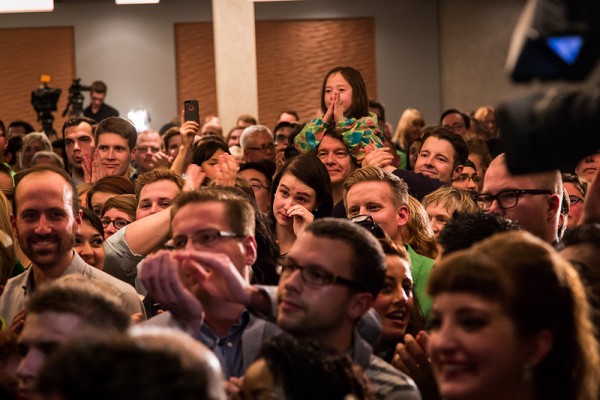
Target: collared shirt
(19, 288)
(228, 349)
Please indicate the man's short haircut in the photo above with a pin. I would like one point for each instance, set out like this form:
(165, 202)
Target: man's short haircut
(155, 175)
(149, 132)
(94, 302)
(461, 151)
(467, 228)
(46, 169)
(99, 87)
(465, 117)
(118, 126)
(238, 210)
(170, 133)
(579, 183)
(374, 174)
(368, 261)
(86, 369)
(23, 124)
(76, 121)
(249, 131)
(291, 112)
(247, 118)
(452, 199)
(192, 355)
(547, 180)
(122, 202)
(111, 184)
(57, 161)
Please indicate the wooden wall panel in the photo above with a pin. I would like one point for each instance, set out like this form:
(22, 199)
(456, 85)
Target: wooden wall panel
(292, 57)
(27, 54)
(195, 66)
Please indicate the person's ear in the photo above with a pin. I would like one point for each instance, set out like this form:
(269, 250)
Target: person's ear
(457, 171)
(250, 251)
(359, 304)
(538, 347)
(553, 204)
(402, 215)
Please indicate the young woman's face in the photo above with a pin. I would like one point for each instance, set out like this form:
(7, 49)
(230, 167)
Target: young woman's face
(337, 84)
(89, 245)
(114, 214)
(475, 348)
(395, 302)
(209, 165)
(292, 191)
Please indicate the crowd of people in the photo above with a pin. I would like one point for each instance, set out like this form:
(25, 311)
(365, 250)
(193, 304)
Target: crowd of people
(338, 258)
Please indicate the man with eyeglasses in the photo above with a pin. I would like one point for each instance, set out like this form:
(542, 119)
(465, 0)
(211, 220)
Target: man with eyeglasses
(531, 200)
(257, 143)
(46, 217)
(329, 280)
(468, 179)
(149, 153)
(212, 241)
(456, 121)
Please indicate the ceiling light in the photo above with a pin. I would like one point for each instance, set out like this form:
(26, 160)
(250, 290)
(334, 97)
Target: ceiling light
(137, 1)
(12, 6)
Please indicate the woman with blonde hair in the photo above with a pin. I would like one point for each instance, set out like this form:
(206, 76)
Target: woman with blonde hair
(418, 232)
(410, 127)
(510, 320)
(487, 116)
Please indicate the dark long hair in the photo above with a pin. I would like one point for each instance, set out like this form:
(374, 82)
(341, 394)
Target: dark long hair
(312, 172)
(360, 101)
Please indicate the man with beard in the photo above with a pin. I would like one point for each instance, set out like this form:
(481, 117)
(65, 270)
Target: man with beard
(46, 217)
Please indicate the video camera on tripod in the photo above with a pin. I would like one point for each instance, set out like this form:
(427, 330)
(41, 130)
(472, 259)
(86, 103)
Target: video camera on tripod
(45, 99)
(75, 103)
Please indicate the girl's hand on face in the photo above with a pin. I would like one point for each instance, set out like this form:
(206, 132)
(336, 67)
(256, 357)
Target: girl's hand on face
(302, 218)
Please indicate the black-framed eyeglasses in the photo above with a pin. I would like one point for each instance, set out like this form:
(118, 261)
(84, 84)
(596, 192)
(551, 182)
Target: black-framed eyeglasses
(118, 223)
(258, 186)
(506, 198)
(262, 148)
(575, 199)
(314, 276)
(465, 177)
(203, 237)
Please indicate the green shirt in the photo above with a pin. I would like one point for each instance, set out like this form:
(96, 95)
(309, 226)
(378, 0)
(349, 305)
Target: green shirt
(420, 269)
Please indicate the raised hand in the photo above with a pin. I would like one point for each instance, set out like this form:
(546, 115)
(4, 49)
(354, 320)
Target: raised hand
(226, 170)
(194, 176)
(327, 117)
(215, 275)
(377, 157)
(160, 275)
(338, 109)
(412, 358)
